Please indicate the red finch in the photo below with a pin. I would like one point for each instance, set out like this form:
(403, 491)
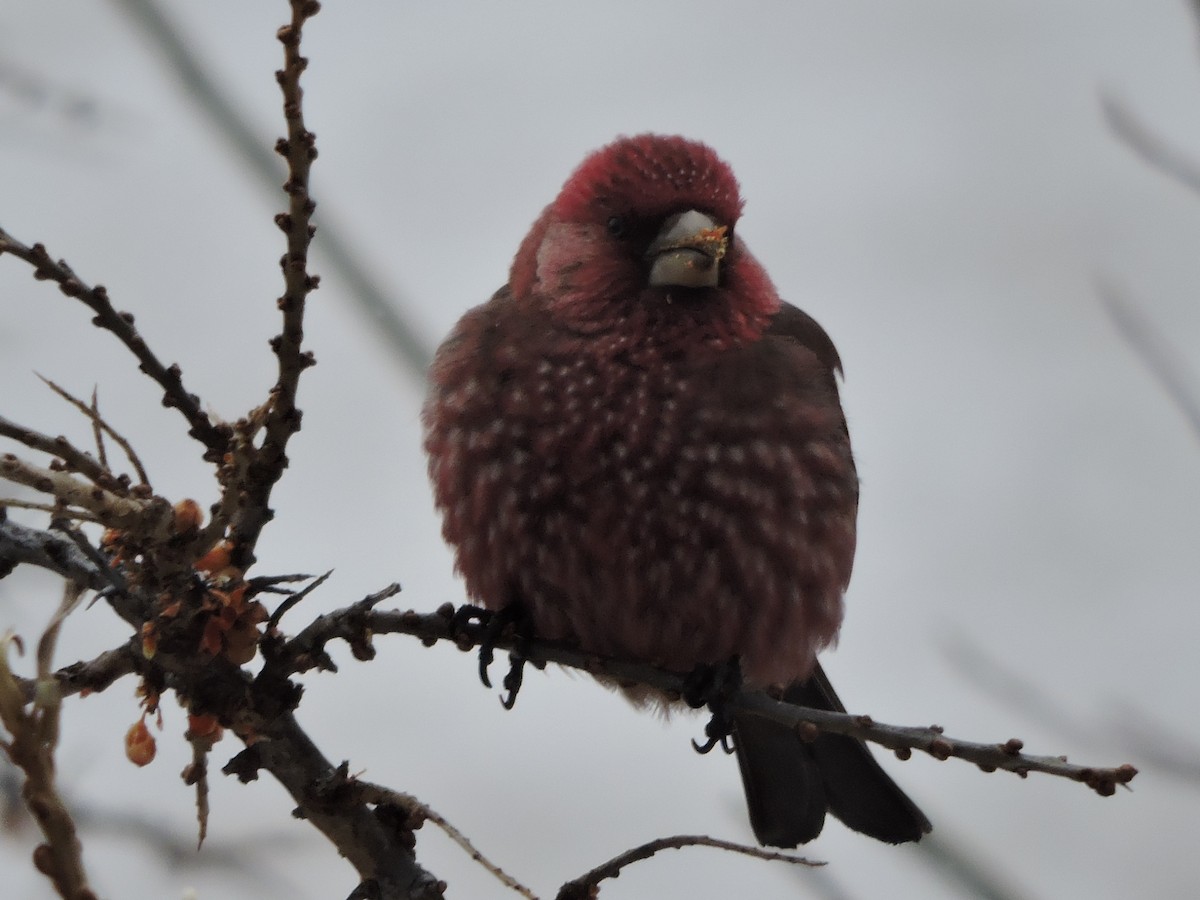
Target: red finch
(637, 442)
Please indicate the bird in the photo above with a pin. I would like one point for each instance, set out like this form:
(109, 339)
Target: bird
(640, 446)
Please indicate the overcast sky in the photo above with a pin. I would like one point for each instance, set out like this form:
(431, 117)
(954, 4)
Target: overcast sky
(933, 181)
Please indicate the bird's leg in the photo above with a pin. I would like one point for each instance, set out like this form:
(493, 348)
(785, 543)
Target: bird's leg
(516, 614)
(494, 626)
(712, 686)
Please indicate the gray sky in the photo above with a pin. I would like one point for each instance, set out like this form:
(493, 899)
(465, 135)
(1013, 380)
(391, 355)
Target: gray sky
(933, 181)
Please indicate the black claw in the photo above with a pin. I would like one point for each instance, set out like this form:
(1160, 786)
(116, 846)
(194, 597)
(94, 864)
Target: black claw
(718, 730)
(706, 746)
(467, 615)
(513, 680)
(712, 686)
(485, 659)
(519, 655)
(494, 625)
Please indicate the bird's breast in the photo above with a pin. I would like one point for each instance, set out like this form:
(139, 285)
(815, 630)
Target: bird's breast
(678, 512)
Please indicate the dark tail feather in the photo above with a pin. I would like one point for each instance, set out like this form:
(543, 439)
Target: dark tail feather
(790, 783)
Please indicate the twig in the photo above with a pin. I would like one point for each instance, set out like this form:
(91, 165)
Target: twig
(92, 676)
(282, 419)
(295, 597)
(52, 508)
(151, 518)
(213, 437)
(380, 795)
(113, 575)
(351, 624)
(98, 431)
(1151, 147)
(1161, 747)
(33, 735)
(1151, 347)
(75, 460)
(101, 427)
(277, 743)
(1147, 739)
(1008, 755)
(379, 305)
(586, 887)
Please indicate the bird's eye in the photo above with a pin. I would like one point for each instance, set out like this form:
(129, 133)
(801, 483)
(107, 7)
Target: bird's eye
(617, 226)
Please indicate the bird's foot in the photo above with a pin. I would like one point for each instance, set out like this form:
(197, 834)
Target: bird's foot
(518, 617)
(495, 624)
(466, 616)
(712, 686)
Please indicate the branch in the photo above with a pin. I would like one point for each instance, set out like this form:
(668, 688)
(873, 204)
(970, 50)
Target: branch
(1176, 164)
(59, 447)
(378, 848)
(306, 650)
(33, 736)
(282, 419)
(92, 676)
(149, 518)
(47, 550)
(213, 437)
(378, 304)
(1151, 347)
(101, 428)
(1009, 755)
(417, 812)
(587, 886)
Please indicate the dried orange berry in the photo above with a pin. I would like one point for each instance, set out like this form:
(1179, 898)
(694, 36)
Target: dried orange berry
(188, 517)
(204, 727)
(149, 640)
(216, 559)
(241, 642)
(140, 745)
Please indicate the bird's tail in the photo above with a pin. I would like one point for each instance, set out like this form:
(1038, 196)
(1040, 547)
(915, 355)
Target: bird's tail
(791, 783)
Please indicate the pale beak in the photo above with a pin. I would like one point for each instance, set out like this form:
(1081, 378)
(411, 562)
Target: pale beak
(687, 251)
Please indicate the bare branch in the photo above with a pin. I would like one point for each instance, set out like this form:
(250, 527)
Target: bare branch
(282, 418)
(50, 551)
(33, 735)
(98, 431)
(92, 676)
(1007, 755)
(213, 437)
(1164, 362)
(151, 517)
(418, 812)
(343, 256)
(60, 448)
(295, 597)
(100, 427)
(307, 649)
(1151, 147)
(586, 887)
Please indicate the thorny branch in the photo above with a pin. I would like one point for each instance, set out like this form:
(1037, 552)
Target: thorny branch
(45, 268)
(282, 418)
(586, 887)
(1007, 755)
(417, 812)
(378, 304)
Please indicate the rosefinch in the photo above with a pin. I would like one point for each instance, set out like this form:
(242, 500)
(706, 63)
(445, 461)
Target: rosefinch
(641, 445)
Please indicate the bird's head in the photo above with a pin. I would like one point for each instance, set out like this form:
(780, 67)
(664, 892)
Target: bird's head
(643, 235)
